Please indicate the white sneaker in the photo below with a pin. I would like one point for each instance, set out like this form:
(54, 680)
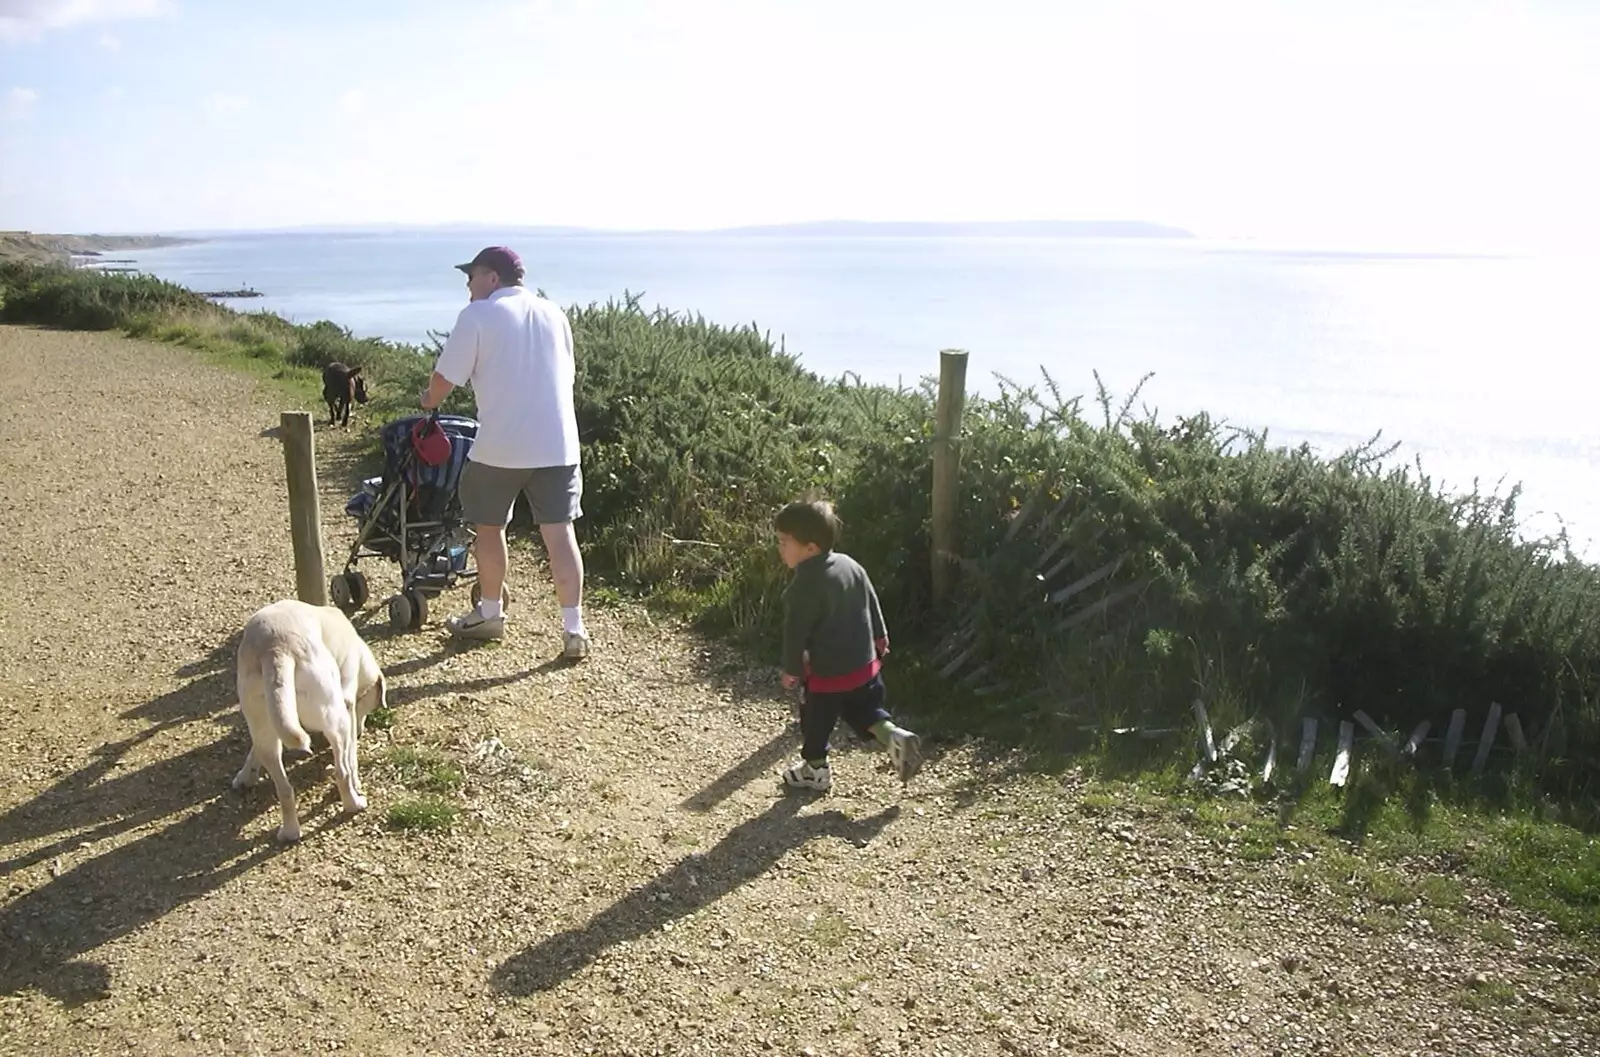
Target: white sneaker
(575, 645)
(905, 752)
(475, 626)
(804, 776)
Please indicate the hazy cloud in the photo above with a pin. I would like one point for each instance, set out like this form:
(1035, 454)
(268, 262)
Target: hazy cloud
(20, 103)
(27, 20)
(353, 103)
(221, 104)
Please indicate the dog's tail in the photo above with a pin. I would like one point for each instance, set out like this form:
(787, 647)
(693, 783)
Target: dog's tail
(277, 670)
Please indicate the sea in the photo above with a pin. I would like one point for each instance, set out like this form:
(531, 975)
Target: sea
(1484, 370)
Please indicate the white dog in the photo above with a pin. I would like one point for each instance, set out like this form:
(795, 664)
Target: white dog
(303, 667)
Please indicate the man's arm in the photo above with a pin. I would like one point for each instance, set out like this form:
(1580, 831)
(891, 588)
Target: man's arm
(438, 388)
(456, 361)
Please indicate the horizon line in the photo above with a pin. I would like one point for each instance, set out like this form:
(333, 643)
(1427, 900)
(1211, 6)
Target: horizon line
(1142, 228)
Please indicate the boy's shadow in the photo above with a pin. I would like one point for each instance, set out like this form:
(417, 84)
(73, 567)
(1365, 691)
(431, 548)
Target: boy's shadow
(748, 850)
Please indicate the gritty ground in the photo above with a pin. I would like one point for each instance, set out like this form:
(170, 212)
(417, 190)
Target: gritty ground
(624, 877)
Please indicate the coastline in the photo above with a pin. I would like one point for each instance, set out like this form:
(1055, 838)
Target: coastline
(45, 248)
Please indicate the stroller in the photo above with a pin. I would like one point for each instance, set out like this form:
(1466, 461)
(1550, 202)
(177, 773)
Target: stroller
(411, 516)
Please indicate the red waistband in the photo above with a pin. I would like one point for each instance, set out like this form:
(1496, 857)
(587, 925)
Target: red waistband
(841, 684)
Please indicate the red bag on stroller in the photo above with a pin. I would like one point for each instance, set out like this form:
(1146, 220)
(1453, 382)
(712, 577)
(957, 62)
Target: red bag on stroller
(430, 442)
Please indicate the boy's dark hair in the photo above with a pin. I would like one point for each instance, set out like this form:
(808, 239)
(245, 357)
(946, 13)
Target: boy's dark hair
(810, 522)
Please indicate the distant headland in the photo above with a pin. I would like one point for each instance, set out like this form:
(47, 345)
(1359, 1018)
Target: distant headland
(61, 249)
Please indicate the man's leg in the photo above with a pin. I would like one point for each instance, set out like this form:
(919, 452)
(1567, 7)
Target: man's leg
(554, 493)
(486, 494)
(566, 565)
(493, 559)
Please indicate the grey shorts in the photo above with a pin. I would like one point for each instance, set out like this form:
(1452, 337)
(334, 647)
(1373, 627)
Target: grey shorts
(488, 493)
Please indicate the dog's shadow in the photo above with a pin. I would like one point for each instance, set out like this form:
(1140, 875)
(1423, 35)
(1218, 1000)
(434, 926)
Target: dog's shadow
(112, 798)
(45, 932)
(87, 902)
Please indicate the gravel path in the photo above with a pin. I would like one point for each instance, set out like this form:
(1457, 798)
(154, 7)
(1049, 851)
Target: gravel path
(624, 877)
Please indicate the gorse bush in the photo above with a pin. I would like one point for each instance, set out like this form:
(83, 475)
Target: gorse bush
(1113, 569)
(85, 299)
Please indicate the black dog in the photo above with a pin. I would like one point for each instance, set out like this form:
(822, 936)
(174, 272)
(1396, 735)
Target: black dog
(340, 385)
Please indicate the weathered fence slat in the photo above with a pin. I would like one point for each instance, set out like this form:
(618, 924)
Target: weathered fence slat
(1341, 762)
(1083, 583)
(1272, 753)
(1415, 741)
(1486, 742)
(1514, 732)
(1105, 603)
(1308, 743)
(1377, 732)
(1452, 737)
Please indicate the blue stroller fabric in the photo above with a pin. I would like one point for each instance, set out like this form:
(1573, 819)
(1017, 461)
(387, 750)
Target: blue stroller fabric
(430, 491)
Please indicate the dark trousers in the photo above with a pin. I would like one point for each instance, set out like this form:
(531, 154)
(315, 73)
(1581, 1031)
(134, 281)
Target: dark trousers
(861, 708)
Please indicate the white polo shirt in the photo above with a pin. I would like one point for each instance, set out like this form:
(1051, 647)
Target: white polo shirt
(515, 348)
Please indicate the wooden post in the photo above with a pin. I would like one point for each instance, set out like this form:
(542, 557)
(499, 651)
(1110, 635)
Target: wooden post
(947, 468)
(305, 516)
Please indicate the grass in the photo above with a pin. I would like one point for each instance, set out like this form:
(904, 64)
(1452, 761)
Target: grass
(423, 770)
(422, 813)
(827, 928)
(1409, 848)
(382, 719)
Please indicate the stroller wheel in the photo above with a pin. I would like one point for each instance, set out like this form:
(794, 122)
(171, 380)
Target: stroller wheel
(348, 591)
(505, 594)
(400, 613)
(419, 610)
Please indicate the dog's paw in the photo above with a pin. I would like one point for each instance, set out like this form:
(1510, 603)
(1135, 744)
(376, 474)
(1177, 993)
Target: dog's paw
(357, 804)
(244, 779)
(288, 834)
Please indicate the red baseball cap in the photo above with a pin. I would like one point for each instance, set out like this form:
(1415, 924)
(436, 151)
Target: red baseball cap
(500, 259)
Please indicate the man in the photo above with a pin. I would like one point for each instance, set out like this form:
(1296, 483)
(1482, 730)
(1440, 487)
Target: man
(515, 348)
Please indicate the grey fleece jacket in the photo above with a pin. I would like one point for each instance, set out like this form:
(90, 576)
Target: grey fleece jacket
(831, 611)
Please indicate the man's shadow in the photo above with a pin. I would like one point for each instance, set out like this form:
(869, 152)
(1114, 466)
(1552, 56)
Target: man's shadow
(745, 853)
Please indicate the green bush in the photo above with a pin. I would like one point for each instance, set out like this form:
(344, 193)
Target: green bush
(84, 299)
(1113, 568)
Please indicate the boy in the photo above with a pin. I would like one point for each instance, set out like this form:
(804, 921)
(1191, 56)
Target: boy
(833, 641)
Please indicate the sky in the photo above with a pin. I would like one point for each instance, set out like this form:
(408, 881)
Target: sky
(1450, 124)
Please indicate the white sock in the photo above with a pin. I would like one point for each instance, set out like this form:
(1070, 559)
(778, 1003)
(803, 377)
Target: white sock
(572, 619)
(488, 610)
